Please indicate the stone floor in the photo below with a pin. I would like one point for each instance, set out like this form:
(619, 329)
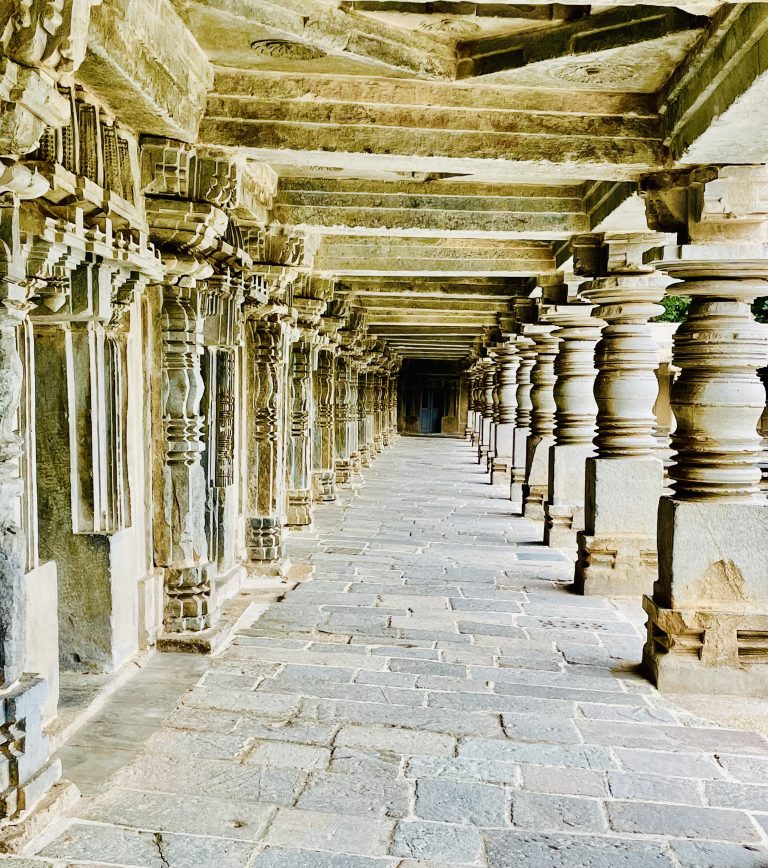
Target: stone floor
(434, 696)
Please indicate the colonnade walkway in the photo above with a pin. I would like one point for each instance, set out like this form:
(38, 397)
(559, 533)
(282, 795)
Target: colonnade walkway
(433, 696)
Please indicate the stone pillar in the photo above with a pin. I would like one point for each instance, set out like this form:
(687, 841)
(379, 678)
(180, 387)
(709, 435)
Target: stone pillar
(526, 351)
(708, 617)
(362, 445)
(356, 457)
(578, 333)
(182, 548)
(346, 420)
(28, 771)
(470, 403)
(536, 485)
(266, 350)
(624, 481)
(488, 381)
(507, 366)
(393, 405)
(324, 451)
(299, 457)
(378, 413)
(478, 399)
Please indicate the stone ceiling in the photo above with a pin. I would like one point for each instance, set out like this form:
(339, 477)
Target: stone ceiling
(445, 150)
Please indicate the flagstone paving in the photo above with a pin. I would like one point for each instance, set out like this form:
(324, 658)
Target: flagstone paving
(433, 696)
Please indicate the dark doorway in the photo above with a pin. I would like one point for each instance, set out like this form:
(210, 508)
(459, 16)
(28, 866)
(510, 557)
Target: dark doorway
(431, 412)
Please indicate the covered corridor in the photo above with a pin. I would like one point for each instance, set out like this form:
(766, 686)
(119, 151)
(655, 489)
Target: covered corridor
(434, 695)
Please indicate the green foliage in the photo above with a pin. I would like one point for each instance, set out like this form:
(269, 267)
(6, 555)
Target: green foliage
(760, 310)
(675, 308)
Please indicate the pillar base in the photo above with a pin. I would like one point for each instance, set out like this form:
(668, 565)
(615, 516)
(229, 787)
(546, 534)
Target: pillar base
(617, 550)
(564, 508)
(298, 512)
(533, 502)
(501, 470)
(615, 565)
(60, 799)
(27, 771)
(189, 599)
(707, 651)
(561, 524)
(519, 448)
(200, 642)
(708, 618)
(324, 484)
(365, 457)
(264, 538)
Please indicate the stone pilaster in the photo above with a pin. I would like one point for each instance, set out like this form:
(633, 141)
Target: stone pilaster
(578, 333)
(507, 362)
(363, 441)
(324, 475)
(624, 481)
(536, 485)
(346, 420)
(189, 596)
(526, 351)
(266, 355)
(355, 414)
(28, 772)
(298, 512)
(708, 616)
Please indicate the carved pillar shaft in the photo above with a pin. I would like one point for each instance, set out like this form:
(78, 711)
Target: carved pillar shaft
(393, 404)
(536, 485)
(324, 452)
(575, 413)
(265, 353)
(189, 604)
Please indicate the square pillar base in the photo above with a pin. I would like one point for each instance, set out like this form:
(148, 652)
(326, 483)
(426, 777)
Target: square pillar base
(28, 772)
(324, 485)
(706, 651)
(536, 486)
(564, 508)
(298, 511)
(708, 618)
(501, 470)
(519, 448)
(617, 549)
(615, 565)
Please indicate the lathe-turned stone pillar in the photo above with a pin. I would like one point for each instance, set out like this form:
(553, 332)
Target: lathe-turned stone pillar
(346, 420)
(526, 352)
(393, 406)
(624, 481)
(468, 380)
(266, 350)
(708, 617)
(324, 434)
(506, 386)
(536, 485)
(578, 333)
(183, 548)
(298, 511)
(488, 381)
(478, 402)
